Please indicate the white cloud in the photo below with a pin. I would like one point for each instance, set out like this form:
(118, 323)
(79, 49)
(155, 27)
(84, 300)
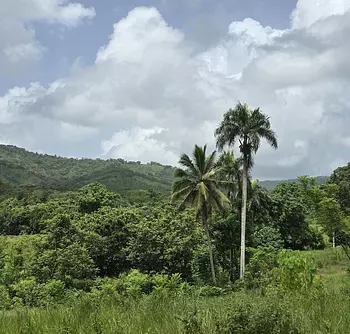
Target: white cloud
(139, 144)
(18, 44)
(308, 12)
(149, 97)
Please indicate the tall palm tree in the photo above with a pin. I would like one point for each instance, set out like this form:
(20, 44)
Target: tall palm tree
(196, 184)
(247, 127)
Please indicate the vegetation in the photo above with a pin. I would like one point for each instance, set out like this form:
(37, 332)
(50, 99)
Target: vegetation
(83, 258)
(196, 185)
(247, 127)
(21, 171)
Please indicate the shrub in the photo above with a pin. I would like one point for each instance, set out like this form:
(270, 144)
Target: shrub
(210, 291)
(134, 283)
(258, 270)
(29, 293)
(296, 271)
(253, 316)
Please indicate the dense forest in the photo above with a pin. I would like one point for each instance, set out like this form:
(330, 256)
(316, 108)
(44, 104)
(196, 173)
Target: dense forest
(92, 246)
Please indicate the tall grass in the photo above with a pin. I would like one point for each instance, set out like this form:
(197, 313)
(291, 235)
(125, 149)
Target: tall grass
(322, 310)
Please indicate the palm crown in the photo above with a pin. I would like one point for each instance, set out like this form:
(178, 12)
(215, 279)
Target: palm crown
(247, 127)
(196, 184)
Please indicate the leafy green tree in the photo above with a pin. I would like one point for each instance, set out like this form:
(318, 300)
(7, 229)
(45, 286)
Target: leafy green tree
(291, 212)
(247, 127)
(196, 184)
(164, 240)
(94, 196)
(341, 179)
(330, 216)
(63, 255)
(106, 235)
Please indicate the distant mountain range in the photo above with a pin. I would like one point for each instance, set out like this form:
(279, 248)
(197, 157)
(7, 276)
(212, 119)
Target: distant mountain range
(270, 184)
(19, 167)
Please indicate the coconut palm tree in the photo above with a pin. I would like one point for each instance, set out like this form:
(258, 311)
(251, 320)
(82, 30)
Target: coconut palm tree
(196, 184)
(247, 127)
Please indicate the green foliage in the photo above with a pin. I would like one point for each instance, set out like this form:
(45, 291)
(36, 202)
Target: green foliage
(268, 237)
(106, 236)
(94, 196)
(258, 270)
(62, 256)
(258, 316)
(164, 240)
(296, 271)
(29, 293)
(5, 300)
(341, 179)
(196, 184)
(16, 257)
(329, 215)
(291, 216)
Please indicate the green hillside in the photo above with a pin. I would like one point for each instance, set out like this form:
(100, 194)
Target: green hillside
(19, 167)
(270, 184)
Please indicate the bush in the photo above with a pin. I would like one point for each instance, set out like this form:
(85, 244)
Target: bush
(211, 291)
(257, 316)
(134, 283)
(296, 271)
(29, 293)
(258, 270)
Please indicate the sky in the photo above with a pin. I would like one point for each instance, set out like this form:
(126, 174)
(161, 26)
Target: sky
(147, 80)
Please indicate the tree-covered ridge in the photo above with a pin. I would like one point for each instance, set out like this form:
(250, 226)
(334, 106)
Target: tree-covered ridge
(22, 168)
(19, 168)
(271, 184)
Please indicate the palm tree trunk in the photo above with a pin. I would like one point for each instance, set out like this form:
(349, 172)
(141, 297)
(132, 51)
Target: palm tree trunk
(333, 240)
(210, 248)
(243, 218)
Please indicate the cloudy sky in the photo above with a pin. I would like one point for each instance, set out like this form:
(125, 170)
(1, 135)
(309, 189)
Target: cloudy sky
(146, 80)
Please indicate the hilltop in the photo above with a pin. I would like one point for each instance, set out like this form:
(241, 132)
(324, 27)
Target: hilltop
(19, 167)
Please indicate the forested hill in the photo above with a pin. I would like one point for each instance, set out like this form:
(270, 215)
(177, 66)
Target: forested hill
(270, 184)
(19, 167)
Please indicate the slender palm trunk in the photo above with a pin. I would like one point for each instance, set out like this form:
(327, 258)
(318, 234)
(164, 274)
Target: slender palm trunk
(333, 240)
(210, 248)
(243, 218)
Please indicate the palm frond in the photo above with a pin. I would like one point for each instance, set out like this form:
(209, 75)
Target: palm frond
(210, 162)
(269, 135)
(183, 192)
(186, 161)
(199, 158)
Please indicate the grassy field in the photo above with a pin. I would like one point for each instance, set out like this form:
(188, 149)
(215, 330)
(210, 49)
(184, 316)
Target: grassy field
(322, 310)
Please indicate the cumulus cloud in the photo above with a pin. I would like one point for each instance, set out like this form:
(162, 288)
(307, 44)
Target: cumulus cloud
(148, 96)
(18, 44)
(139, 144)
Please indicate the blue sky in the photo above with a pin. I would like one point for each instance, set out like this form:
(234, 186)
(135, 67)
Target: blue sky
(146, 80)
